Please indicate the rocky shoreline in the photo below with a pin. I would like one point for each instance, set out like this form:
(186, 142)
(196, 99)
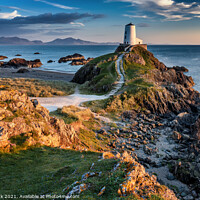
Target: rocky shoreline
(155, 129)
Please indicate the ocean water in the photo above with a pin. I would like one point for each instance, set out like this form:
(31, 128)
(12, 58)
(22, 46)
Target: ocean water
(170, 55)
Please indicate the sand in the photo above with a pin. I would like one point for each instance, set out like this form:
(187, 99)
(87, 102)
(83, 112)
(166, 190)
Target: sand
(35, 74)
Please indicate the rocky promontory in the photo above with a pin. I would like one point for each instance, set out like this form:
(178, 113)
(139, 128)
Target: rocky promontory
(146, 133)
(20, 62)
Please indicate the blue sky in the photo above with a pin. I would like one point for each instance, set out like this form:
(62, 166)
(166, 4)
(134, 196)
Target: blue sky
(157, 21)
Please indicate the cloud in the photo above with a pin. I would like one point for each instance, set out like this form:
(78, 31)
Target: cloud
(44, 24)
(168, 9)
(57, 5)
(49, 18)
(16, 8)
(78, 24)
(158, 2)
(9, 15)
(171, 17)
(136, 16)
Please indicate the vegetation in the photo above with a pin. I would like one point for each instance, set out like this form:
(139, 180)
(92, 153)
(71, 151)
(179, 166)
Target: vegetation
(46, 170)
(135, 89)
(103, 82)
(38, 88)
(86, 125)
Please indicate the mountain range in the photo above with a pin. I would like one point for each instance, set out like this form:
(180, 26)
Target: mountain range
(66, 41)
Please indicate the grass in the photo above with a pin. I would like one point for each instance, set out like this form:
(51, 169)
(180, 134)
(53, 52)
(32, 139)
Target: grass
(85, 124)
(49, 170)
(102, 83)
(38, 88)
(135, 89)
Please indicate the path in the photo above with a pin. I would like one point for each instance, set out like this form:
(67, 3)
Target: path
(52, 103)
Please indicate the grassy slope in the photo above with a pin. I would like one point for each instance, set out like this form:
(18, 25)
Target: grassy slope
(85, 124)
(107, 76)
(38, 88)
(135, 87)
(50, 170)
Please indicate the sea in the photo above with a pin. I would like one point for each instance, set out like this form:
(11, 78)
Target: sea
(171, 55)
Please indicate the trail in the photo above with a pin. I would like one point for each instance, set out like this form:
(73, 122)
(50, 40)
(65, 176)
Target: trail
(52, 103)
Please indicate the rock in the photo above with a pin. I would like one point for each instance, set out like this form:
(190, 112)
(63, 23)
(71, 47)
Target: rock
(86, 73)
(135, 58)
(176, 135)
(22, 70)
(180, 69)
(188, 197)
(36, 53)
(170, 177)
(50, 61)
(75, 56)
(139, 182)
(3, 57)
(102, 191)
(81, 61)
(20, 62)
(18, 55)
(39, 126)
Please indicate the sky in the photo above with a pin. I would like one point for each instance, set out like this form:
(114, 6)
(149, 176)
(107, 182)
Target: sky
(157, 21)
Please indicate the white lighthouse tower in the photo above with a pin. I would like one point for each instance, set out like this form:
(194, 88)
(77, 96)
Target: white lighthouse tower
(130, 35)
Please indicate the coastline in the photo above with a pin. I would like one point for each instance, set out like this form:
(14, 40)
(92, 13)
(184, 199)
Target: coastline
(36, 74)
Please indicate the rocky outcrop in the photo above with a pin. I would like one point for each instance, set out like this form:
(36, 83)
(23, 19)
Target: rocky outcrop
(180, 69)
(75, 56)
(18, 55)
(90, 70)
(77, 59)
(20, 62)
(171, 76)
(86, 73)
(135, 58)
(139, 183)
(3, 57)
(81, 62)
(26, 123)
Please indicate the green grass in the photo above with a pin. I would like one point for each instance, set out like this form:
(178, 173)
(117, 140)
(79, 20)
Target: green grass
(50, 170)
(102, 83)
(38, 88)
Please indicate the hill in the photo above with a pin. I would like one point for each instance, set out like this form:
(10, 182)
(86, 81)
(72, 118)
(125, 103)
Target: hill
(66, 41)
(140, 143)
(18, 41)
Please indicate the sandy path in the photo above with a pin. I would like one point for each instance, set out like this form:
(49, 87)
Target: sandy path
(52, 103)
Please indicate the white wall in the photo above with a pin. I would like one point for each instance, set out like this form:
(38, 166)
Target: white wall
(139, 41)
(130, 35)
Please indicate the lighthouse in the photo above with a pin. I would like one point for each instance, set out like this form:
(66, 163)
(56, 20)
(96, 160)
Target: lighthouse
(130, 35)
(130, 40)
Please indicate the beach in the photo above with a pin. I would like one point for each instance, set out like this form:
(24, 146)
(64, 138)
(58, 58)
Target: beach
(36, 74)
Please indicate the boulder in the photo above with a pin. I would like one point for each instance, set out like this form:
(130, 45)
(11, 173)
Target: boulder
(22, 70)
(36, 53)
(50, 61)
(3, 57)
(81, 61)
(180, 69)
(75, 56)
(20, 62)
(18, 55)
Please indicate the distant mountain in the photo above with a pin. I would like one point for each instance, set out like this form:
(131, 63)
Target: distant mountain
(73, 41)
(66, 41)
(18, 41)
